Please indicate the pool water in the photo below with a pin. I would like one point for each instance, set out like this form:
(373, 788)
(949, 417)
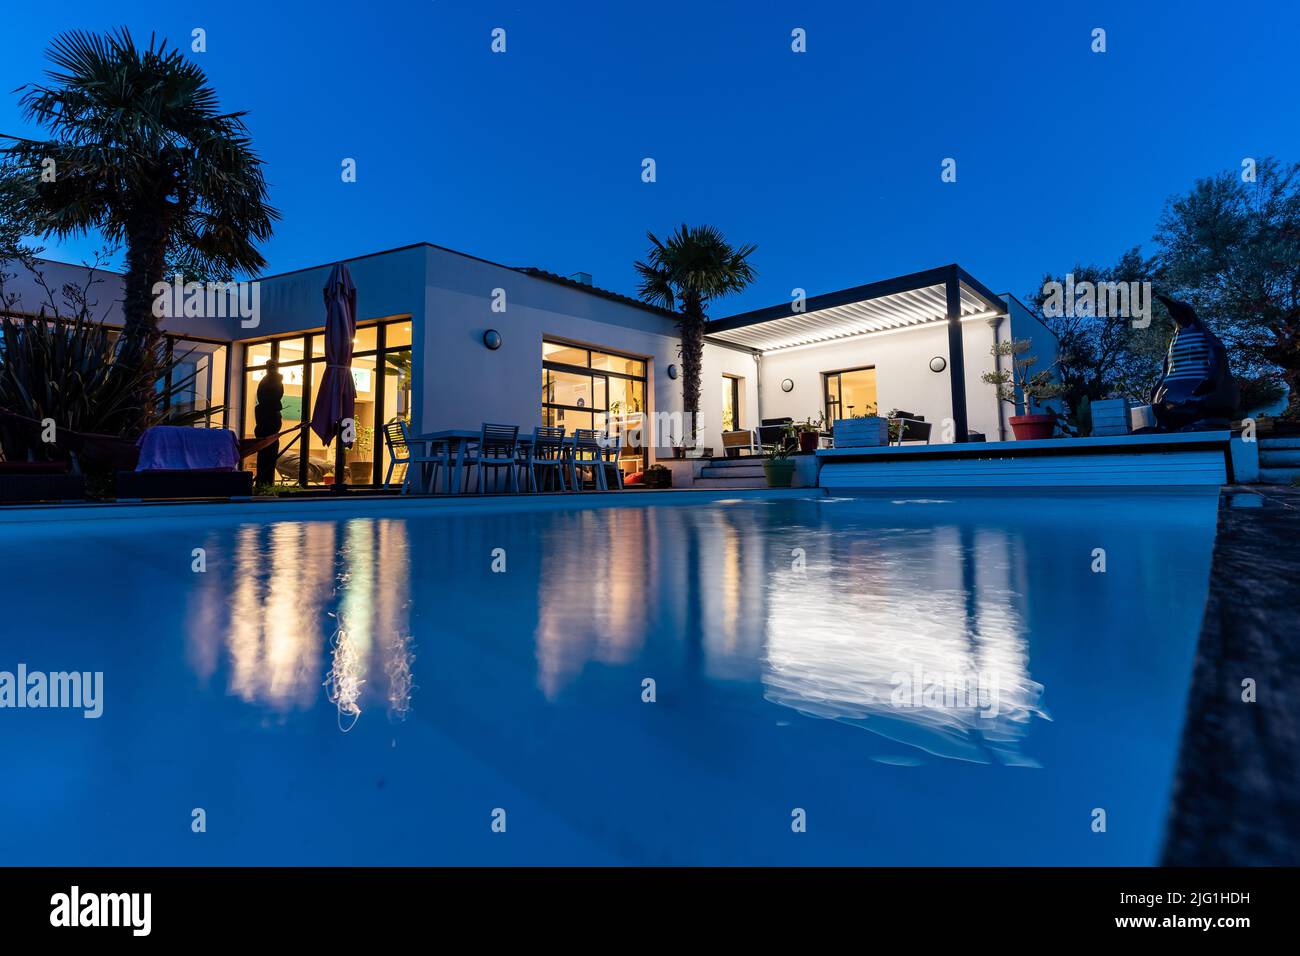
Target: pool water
(799, 680)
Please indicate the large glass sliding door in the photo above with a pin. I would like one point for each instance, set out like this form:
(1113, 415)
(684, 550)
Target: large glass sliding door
(199, 380)
(381, 372)
(589, 388)
(850, 392)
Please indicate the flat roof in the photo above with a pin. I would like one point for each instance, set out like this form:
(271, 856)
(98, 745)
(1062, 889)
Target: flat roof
(916, 299)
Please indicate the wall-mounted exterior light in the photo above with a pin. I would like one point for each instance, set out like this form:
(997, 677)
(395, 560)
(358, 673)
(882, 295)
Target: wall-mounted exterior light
(938, 363)
(787, 385)
(492, 339)
(672, 371)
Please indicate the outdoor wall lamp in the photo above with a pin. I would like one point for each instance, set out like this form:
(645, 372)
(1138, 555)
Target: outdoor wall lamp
(672, 371)
(492, 339)
(787, 385)
(938, 363)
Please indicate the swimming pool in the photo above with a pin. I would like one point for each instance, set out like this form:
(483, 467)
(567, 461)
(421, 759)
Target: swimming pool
(891, 679)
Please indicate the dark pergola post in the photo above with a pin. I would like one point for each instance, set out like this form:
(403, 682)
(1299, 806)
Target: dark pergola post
(956, 356)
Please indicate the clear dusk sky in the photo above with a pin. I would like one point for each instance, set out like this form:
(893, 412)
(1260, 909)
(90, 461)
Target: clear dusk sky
(828, 160)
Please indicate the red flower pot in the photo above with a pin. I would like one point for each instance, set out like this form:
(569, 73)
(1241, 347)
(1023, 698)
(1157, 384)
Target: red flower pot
(1033, 427)
(808, 442)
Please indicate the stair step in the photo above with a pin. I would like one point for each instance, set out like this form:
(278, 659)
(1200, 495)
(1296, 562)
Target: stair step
(1278, 476)
(1279, 457)
(744, 461)
(1269, 444)
(748, 471)
(704, 484)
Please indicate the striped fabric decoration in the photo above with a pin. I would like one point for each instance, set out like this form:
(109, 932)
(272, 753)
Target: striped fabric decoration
(1189, 355)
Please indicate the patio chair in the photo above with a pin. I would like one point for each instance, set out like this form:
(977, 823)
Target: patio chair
(612, 452)
(546, 453)
(497, 447)
(772, 433)
(912, 428)
(742, 439)
(435, 456)
(584, 451)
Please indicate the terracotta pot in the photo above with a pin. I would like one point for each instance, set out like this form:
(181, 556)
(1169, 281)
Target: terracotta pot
(808, 442)
(1033, 427)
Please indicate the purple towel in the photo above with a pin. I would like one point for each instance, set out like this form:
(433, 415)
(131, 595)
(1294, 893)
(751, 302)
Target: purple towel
(175, 448)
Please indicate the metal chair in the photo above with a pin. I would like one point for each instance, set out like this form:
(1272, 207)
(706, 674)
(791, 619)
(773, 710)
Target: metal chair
(497, 447)
(435, 455)
(584, 451)
(611, 453)
(774, 432)
(911, 427)
(545, 453)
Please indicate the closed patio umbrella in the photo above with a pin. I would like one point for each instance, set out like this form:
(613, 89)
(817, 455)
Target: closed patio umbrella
(336, 401)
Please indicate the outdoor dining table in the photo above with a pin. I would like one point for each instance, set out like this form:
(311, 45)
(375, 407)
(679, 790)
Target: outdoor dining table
(459, 439)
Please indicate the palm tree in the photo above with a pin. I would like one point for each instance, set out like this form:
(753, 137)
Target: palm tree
(142, 153)
(685, 273)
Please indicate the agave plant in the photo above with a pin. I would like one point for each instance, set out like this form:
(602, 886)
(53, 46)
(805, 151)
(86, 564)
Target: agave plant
(66, 393)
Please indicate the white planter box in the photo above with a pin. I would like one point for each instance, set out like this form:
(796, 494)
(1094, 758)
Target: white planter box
(861, 432)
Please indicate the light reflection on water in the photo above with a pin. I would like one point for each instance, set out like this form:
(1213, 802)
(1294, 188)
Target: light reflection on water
(295, 592)
(826, 621)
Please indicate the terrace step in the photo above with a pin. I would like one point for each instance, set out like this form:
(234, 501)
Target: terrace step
(743, 461)
(1278, 443)
(1272, 457)
(1275, 476)
(704, 484)
(732, 471)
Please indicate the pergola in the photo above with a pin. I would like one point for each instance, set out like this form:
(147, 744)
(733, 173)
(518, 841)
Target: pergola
(948, 294)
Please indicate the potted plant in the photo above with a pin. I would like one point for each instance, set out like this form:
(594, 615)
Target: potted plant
(360, 464)
(778, 467)
(865, 430)
(810, 434)
(657, 476)
(1034, 387)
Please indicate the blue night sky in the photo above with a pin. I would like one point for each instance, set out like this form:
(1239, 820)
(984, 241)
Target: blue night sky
(829, 161)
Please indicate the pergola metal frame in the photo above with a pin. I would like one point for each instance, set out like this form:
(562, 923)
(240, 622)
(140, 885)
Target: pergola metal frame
(948, 294)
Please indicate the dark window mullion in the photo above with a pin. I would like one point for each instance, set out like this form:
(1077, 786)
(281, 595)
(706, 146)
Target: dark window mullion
(381, 357)
(304, 413)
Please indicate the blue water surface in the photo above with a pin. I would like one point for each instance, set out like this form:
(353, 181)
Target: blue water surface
(384, 688)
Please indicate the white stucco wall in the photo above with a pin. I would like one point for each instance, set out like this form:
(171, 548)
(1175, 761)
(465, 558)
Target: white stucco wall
(1044, 343)
(464, 383)
(719, 361)
(104, 295)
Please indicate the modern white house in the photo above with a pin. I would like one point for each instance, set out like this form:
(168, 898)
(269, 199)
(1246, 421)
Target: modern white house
(569, 353)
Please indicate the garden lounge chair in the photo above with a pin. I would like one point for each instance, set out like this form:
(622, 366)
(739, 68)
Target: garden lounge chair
(911, 428)
(734, 442)
(39, 481)
(546, 453)
(180, 462)
(585, 452)
(497, 447)
(773, 433)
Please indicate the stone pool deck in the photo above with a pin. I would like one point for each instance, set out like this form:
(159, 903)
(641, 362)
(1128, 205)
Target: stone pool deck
(1236, 795)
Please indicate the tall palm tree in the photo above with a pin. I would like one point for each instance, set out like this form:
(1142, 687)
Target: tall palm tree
(142, 153)
(685, 272)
